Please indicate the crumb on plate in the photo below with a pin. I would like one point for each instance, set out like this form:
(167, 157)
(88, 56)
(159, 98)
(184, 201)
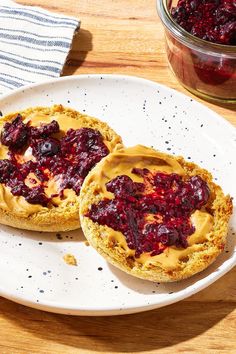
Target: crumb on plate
(70, 259)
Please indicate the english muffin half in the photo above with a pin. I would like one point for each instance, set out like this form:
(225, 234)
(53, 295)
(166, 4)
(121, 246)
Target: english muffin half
(45, 154)
(153, 215)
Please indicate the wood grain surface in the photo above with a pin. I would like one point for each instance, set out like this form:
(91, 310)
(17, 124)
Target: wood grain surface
(125, 37)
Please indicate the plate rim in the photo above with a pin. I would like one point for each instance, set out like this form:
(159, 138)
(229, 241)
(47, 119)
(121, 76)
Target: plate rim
(54, 306)
(111, 76)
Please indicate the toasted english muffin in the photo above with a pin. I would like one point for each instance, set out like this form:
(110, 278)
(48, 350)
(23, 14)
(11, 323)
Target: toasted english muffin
(41, 178)
(166, 220)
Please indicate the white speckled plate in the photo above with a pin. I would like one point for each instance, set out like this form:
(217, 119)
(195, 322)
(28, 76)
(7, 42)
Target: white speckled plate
(32, 271)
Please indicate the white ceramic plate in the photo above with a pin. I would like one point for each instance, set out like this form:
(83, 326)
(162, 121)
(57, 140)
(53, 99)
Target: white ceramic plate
(32, 270)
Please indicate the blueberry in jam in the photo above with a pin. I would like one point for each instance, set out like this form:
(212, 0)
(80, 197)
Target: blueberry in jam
(167, 198)
(46, 147)
(68, 159)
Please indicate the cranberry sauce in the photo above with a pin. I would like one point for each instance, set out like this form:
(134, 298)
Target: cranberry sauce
(154, 214)
(211, 20)
(68, 159)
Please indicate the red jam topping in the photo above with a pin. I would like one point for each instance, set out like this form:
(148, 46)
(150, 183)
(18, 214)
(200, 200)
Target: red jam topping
(68, 159)
(154, 214)
(211, 20)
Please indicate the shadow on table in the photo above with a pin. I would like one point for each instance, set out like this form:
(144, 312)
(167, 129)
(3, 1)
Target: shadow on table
(147, 331)
(81, 45)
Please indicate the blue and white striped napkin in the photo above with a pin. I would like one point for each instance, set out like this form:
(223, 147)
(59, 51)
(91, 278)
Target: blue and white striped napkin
(34, 44)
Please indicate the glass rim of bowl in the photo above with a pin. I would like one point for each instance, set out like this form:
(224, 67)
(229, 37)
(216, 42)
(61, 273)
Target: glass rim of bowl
(187, 38)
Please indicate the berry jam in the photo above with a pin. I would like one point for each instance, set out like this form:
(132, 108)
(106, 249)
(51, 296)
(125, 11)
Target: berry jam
(205, 70)
(67, 160)
(154, 214)
(211, 20)
(15, 134)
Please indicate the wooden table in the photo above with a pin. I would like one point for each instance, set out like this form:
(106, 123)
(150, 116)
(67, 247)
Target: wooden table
(125, 37)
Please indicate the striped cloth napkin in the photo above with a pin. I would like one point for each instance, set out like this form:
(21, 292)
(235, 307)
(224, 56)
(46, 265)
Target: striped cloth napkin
(34, 44)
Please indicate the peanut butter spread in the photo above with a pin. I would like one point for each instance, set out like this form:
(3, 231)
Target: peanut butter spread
(122, 163)
(138, 156)
(17, 204)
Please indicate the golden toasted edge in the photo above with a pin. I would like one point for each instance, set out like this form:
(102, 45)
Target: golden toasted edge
(47, 220)
(59, 218)
(221, 209)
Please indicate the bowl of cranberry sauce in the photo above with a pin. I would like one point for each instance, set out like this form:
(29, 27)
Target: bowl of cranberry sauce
(201, 45)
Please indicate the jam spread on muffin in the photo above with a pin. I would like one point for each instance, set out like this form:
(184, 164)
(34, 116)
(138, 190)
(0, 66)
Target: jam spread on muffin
(37, 154)
(153, 214)
(211, 20)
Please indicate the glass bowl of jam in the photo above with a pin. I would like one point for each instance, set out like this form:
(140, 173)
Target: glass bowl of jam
(201, 45)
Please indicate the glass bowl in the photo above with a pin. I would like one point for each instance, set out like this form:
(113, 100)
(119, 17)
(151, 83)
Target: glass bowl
(204, 68)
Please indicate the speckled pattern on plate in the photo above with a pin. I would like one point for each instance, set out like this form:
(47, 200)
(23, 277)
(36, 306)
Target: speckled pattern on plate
(32, 269)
